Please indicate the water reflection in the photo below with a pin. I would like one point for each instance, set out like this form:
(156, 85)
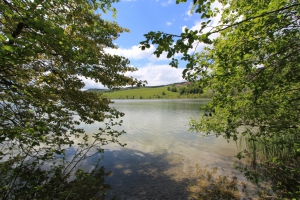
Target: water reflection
(138, 175)
(162, 158)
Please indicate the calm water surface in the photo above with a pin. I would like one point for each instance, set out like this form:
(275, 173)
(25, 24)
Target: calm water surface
(162, 157)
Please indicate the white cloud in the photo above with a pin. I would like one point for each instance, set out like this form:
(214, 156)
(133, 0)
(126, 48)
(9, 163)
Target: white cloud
(135, 53)
(169, 23)
(158, 74)
(183, 28)
(167, 3)
(89, 83)
(153, 74)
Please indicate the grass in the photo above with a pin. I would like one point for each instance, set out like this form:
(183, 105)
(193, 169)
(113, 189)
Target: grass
(149, 93)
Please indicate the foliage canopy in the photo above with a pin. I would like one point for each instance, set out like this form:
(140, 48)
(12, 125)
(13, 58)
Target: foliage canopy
(253, 68)
(46, 47)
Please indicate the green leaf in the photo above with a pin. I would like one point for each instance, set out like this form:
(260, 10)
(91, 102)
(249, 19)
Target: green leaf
(45, 48)
(8, 48)
(2, 38)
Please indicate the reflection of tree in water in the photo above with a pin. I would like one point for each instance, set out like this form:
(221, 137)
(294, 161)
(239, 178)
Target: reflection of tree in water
(139, 175)
(54, 183)
(87, 185)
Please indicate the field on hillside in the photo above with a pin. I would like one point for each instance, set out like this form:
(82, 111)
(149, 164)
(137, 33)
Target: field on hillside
(150, 93)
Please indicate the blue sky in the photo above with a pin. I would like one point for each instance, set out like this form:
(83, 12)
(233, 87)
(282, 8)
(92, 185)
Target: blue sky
(141, 17)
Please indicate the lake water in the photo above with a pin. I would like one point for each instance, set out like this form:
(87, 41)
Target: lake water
(162, 159)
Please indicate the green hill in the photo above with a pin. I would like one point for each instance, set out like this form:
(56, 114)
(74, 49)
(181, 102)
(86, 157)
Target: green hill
(155, 92)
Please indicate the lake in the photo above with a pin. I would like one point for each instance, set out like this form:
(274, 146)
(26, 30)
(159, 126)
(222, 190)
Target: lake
(162, 159)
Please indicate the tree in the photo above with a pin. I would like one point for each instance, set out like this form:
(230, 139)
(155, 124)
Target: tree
(253, 68)
(45, 49)
(174, 89)
(182, 90)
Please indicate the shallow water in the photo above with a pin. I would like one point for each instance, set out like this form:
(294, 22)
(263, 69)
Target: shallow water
(162, 158)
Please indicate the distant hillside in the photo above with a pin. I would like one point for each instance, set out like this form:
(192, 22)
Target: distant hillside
(130, 88)
(97, 90)
(171, 91)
